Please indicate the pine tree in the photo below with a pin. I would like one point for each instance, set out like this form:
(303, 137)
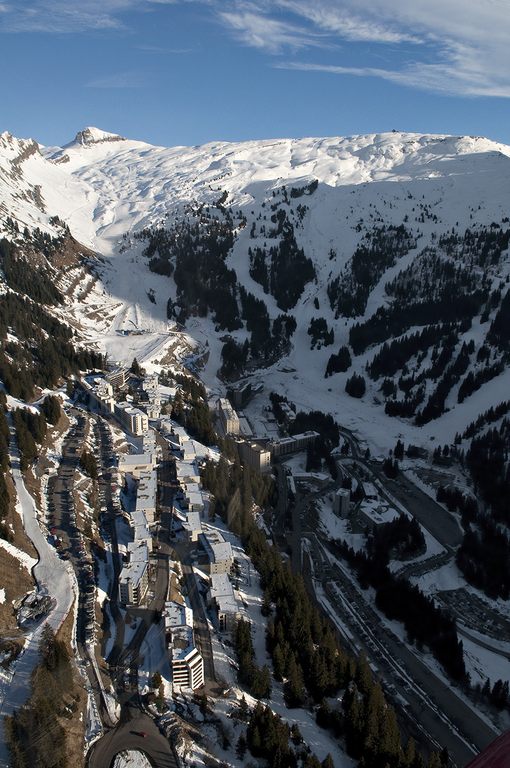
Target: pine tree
(434, 761)
(241, 747)
(136, 370)
(294, 689)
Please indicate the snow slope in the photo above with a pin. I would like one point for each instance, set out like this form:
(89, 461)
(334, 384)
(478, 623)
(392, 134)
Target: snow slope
(106, 188)
(53, 576)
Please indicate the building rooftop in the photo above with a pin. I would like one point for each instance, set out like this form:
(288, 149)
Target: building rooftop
(192, 487)
(145, 502)
(227, 409)
(192, 522)
(133, 572)
(177, 615)
(370, 490)
(377, 513)
(138, 550)
(136, 459)
(222, 551)
(217, 548)
(295, 438)
(195, 498)
(185, 469)
(223, 593)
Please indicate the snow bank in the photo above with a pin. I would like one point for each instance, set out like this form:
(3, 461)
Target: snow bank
(131, 759)
(22, 557)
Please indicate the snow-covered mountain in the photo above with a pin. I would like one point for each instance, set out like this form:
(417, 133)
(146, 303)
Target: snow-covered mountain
(339, 231)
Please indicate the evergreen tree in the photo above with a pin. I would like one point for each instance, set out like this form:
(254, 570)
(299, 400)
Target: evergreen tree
(294, 689)
(241, 747)
(136, 369)
(355, 386)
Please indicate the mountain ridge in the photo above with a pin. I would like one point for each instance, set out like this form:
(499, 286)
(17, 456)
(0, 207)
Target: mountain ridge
(340, 201)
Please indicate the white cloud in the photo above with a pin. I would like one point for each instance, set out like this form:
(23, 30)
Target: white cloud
(62, 16)
(348, 26)
(458, 46)
(465, 42)
(261, 31)
(439, 78)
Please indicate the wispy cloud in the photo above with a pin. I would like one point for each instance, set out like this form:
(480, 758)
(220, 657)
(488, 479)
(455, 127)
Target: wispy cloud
(446, 46)
(464, 47)
(259, 30)
(63, 16)
(439, 78)
(348, 26)
(117, 80)
(60, 16)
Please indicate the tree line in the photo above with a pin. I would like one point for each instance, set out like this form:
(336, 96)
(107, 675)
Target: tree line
(348, 293)
(302, 644)
(425, 623)
(44, 351)
(191, 410)
(36, 733)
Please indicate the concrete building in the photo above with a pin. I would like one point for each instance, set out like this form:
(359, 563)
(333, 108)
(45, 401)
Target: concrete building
(100, 393)
(222, 600)
(254, 455)
(186, 473)
(370, 491)
(219, 552)
(149, 444)
(289, 415)
(174, 433)
(153, 410)
(133, 419)
(186, 661)
(151, 402)
(133, 584)
(188, 451)
(372, 513)
(293, 444)
(239, 396)
(117, 378)
(341, 506)
(146, 496)
(136, 463)
(134, 577)
(192, 525)
(228, 417)
(151, 383)
(195, 501)
(245, 429)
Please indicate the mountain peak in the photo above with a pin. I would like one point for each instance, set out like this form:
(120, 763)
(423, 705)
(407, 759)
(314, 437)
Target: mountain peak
(92, 135)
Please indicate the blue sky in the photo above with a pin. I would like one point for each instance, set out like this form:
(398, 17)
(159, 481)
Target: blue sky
(189, 71)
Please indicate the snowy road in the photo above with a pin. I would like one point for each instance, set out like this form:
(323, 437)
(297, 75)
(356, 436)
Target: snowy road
(53, 576)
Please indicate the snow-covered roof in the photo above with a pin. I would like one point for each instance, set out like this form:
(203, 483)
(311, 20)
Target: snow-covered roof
(177, 614)
(222, 592)
(192, 522)
(135, 460)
